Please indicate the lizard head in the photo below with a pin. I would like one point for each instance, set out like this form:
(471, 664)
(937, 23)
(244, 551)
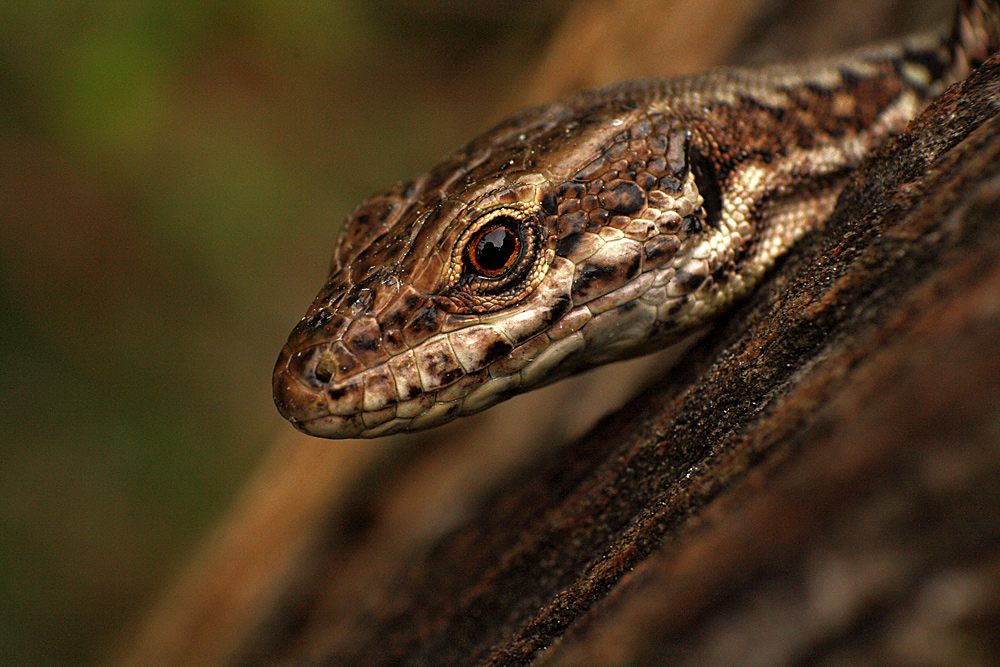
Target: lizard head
(567, 237)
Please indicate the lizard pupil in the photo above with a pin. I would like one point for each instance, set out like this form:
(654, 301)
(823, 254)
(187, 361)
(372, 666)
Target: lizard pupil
(495, 250)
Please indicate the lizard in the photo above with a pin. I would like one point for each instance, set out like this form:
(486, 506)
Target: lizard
(600, 227)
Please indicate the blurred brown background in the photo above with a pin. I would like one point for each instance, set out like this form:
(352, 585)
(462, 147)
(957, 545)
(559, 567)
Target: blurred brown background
(171, 181)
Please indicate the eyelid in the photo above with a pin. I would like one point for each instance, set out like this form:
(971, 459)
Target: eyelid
(518, 214)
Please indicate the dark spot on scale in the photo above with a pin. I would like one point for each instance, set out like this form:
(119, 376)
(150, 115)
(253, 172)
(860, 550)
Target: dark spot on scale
(600, 216)
(549, 203)
(628, 306)
(570, 190)
(817, 89)
(766, 156)
(623, 197)
(567, 246)
(589, 274)
(394, 319)
(645, 181)
(657, 144)
(721, 275)
(443, 368)
(669, 184)
(413, 391)
(450, 376)
(366, 343)
(496, 350)
(560, 307)
(743, 255)
(691, 225)
(660, 249)
(412, 301)
(640, 129)
(392, 339)
(338, 392)
(689, 281)
(849, 78)
(572, 223)
(426, 322)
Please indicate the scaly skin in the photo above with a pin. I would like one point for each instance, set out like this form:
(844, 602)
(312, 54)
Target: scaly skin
(598, 228)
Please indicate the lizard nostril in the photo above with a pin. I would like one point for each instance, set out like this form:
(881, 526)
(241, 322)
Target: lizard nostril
(324, 370)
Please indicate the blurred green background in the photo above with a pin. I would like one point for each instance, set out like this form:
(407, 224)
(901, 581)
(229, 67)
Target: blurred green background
(171, 180)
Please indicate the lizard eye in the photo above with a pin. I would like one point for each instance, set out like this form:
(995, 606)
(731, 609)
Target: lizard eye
(501, 261)
(495, 248)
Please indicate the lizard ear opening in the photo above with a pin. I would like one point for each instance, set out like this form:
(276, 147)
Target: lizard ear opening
(706, 179)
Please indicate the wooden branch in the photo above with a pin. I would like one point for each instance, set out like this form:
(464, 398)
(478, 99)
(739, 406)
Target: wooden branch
(817, 480)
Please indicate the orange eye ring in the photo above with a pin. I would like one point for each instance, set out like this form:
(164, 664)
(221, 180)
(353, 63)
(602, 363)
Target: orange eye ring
(496, 248)
(501, 261)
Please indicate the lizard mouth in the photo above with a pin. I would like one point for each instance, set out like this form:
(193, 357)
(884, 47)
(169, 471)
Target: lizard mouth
(381, 400)
(338, 409)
